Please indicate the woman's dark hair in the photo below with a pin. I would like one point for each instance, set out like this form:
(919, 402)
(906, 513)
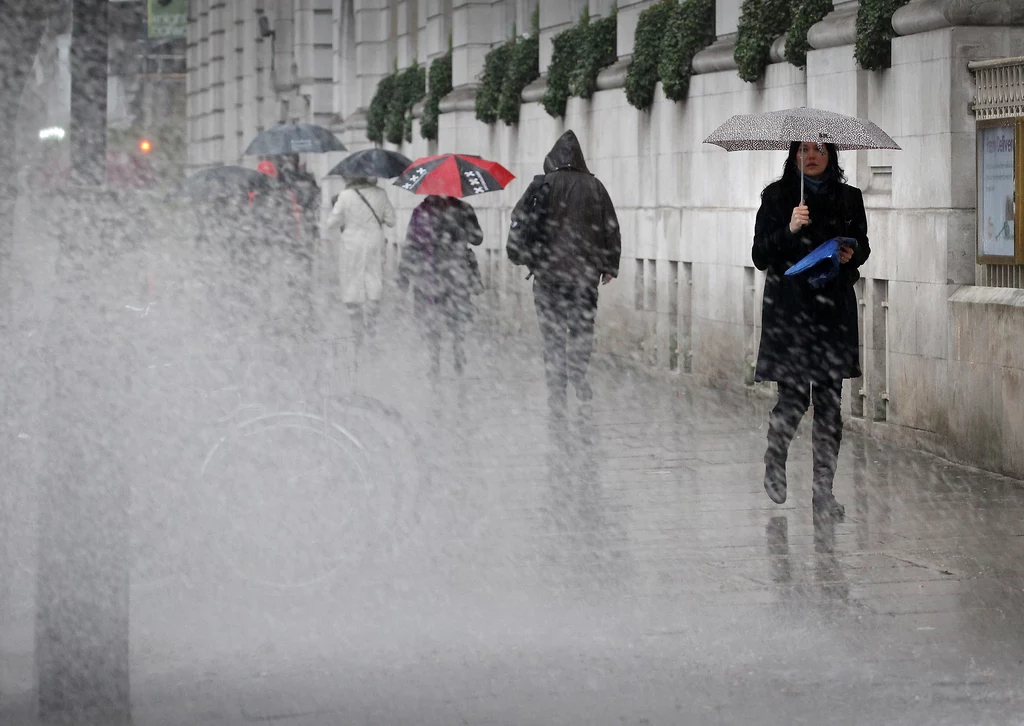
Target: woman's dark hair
(791, 171)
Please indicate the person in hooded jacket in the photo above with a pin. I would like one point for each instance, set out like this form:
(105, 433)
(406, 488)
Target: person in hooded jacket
(441, 267)
(809, 336)
(357, 223)
(583, 246)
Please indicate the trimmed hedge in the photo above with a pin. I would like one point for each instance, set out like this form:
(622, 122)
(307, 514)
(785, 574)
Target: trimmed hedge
(690, 28)
(377, 113)
(761, 22)
(597, 51)
(523, 69)
(409, 87)
(563, 61)
(805, 14)
(643, 73)
(873, 49)
(440, 86)
(489, 93)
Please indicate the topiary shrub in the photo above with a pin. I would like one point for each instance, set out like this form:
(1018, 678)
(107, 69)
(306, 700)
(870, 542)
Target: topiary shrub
(489, 93)
(761, 22)
(377, 113)
(407, 89)
(597, 51)
(805, 14)
(873, 49)
(690, 28)
(643, 73)
(523, 69)
(563, 60)
(440, 86)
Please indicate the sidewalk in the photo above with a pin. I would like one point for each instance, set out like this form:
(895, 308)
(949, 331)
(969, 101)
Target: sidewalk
(468, 571)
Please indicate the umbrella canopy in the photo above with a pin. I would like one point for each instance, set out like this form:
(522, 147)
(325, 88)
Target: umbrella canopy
(776, 130)
(294, 139)
(454, 175)
(371, 163)
(222, 182)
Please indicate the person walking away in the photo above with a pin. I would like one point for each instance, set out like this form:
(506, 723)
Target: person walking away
(437, 260)
(809, 335)
(582, 250)
(356, 224)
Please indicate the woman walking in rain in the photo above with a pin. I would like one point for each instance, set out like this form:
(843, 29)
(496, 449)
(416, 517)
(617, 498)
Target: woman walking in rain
(810, 336)
(442, 268)
(360, 215)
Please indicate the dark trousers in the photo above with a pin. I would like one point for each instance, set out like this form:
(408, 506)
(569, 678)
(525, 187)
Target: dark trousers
(566, 313)
(826, 431)
(438, 314)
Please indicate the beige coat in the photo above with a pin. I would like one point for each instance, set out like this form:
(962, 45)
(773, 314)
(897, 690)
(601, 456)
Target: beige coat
(361, 240)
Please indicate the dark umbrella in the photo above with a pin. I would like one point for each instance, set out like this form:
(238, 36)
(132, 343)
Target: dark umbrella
(454, 175)
(371, 163)
(222, 182)
(294, 139)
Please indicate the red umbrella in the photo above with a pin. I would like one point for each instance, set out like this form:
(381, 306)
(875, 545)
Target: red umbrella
(454, 175)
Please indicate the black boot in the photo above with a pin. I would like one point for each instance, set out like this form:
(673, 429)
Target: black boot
(825, 503)
(775, 476)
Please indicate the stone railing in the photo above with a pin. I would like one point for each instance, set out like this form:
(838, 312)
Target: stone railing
(999, 88)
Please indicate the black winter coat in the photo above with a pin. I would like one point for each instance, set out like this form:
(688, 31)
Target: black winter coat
(808, 335)
(583, 231)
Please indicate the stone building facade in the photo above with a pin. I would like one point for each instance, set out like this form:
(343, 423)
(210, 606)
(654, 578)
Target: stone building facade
(942, 361)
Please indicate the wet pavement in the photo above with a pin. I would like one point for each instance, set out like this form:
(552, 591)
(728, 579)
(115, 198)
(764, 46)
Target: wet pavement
(331, 543)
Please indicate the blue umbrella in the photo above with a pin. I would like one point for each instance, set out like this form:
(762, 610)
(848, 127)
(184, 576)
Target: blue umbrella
(822, 264)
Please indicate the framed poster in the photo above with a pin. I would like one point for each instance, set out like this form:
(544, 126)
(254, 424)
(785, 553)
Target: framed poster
(1000, 209)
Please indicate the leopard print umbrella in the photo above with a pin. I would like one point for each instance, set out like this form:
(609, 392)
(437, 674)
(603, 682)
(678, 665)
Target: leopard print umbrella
(776, 130)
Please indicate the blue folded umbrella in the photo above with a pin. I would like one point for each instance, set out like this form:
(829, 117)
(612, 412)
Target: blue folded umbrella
(822, 264)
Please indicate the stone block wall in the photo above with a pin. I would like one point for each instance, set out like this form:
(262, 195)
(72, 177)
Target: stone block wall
(687, 298)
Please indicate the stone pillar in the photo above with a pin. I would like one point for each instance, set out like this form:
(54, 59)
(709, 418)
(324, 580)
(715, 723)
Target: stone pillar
(719, 55)
(314, 48)
(346, 80)
(629, 14)
(472, 33)
(435, 18)
(215, 106)
(554, 18)
(408, 33)
(374, 58)
(523, 14)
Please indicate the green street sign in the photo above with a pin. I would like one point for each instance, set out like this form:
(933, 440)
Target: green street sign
(168, 18)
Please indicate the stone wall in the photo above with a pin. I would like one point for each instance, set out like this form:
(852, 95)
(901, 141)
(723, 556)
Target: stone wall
(688, 298)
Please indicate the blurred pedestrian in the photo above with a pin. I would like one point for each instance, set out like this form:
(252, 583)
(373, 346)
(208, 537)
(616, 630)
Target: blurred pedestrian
(356, 225)
(437, 260)
(581, 252)
(809, 335)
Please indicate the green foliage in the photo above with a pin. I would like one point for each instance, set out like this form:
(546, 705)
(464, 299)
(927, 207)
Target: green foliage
(873, 49)
(489, 93)
(805, 14)
(523, 69)
(596, 52)
(377, 113)
(440, 86)
(642, 76)
(563, 60)
(691, 28)
(761, 22)
(408, 88)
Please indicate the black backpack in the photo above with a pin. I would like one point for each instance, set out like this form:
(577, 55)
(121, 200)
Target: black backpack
(528, 234)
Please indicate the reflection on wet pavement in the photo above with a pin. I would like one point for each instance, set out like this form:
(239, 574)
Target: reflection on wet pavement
(376, 549)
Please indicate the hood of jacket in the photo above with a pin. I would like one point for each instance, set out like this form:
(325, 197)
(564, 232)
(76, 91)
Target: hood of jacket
(566, 154)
